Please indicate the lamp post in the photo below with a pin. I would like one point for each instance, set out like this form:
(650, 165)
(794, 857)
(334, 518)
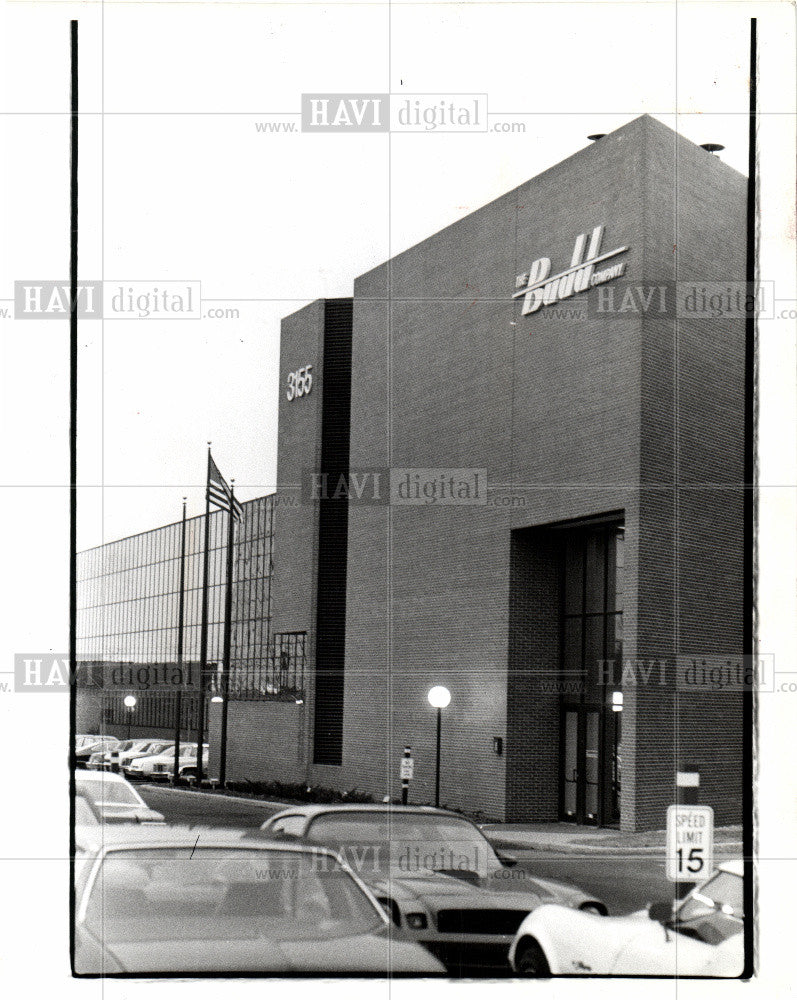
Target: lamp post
(130, 703)
(438, 697)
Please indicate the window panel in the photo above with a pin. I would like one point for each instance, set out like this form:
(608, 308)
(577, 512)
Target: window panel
(614, 639)
(574, 576)
(615, 572)
(595, 558)
(572, 652)
(593, 654)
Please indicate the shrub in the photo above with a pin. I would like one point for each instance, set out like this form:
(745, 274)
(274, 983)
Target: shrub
(296, 791)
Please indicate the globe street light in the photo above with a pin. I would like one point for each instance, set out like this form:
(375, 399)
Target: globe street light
(130, 703)
(439, 698)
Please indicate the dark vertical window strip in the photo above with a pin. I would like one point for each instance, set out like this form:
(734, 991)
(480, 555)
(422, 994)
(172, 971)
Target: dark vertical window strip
(333, 535)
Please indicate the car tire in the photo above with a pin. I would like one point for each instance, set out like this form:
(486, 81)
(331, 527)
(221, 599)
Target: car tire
(530, 960)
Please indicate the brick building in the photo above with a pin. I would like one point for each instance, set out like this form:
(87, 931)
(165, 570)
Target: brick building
(591, 428)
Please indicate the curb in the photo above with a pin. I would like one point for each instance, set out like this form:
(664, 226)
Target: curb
(530, 843)
(218, 795)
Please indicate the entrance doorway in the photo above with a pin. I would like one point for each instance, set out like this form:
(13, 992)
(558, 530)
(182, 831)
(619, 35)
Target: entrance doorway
(591, 703)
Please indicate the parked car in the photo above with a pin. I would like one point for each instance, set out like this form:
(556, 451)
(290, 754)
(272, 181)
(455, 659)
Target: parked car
(96, 761)
(699, 936)
(84, 739)
(186, 766)
(111, 757)
(147, 748)
(86, 813)
(179, 900)
(83, 753)
(143, 767)
(114, 799)
(436, 874)
(102, 759)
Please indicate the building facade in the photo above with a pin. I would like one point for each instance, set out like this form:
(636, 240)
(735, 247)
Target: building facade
(127, 625)
(518, 473)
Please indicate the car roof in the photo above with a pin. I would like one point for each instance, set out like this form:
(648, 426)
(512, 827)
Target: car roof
(83, 777)
(734, 867)
(314, 809)
(93, 840)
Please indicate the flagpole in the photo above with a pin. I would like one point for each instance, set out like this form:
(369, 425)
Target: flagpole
(203, 636)
(225, 685)
(178, 701)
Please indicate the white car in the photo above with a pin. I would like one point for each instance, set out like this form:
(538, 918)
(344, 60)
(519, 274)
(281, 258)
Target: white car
(140, 748)
(91, 746)
(113, 800)
(161, 766)
(186, 766)
(158, 900)
(143, 767)
(104, 759)
(700, 936)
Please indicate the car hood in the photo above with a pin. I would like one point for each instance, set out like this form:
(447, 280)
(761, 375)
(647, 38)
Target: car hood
(120, 813)
(576, 942)
(363, 953)
(502, 890)
(583, 943)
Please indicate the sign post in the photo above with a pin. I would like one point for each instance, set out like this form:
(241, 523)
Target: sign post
(690, 843)
(406, 772)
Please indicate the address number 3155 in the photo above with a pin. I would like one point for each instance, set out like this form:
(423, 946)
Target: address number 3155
(300, 382)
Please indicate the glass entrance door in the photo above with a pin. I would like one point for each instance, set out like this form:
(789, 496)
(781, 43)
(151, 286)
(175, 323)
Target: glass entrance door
(582, 775)
(591, 661)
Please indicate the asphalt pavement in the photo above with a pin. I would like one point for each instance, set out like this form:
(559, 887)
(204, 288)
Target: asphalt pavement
(625, 882)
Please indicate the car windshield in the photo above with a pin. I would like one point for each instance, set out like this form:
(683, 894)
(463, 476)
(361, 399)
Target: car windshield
(213, 894)
(413, 843)
(115, 792)
(713, 911)
(83, 812)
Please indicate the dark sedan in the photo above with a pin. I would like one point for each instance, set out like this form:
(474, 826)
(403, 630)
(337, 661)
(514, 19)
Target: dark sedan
(436, 874)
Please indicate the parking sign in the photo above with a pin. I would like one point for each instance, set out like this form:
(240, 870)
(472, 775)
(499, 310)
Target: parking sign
(690, 843)
(407, 767)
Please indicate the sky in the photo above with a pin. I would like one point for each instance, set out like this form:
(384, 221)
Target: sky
(178, 184)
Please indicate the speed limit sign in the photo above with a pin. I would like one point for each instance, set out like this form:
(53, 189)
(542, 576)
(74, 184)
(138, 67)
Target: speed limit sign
(690, 843)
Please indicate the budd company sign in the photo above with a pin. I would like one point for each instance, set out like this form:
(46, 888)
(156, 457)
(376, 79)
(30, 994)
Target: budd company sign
(538, 288)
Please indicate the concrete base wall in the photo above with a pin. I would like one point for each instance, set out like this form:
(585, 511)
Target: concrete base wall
(264, 741)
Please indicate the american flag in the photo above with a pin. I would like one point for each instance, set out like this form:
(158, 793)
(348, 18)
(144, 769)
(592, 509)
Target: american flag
(220, 493)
